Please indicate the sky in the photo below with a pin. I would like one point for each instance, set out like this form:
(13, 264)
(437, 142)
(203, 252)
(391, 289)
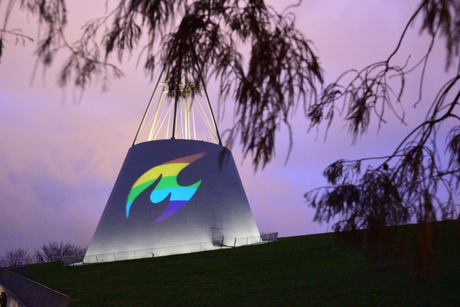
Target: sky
(60, 155)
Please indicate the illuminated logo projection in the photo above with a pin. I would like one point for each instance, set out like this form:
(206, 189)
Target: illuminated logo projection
(166, 176)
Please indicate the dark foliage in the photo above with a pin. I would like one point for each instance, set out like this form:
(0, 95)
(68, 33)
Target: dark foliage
(282, 66)
(51, 252)
(418, 182)
(15, 257)
(440, 17)
(197, 40)
(54, 251)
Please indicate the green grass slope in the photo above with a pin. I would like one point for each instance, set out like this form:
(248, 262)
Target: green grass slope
(312, 270)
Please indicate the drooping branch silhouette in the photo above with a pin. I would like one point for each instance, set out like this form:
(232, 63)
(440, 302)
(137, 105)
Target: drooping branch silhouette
(203, 38)
(282, 67)
(419, 182)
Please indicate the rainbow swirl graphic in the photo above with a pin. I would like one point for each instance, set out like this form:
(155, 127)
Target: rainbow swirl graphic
(167, 185)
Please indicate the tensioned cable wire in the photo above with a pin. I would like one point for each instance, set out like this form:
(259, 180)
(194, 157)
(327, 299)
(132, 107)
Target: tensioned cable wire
(158, 106)
(148, 107)
(207, 97)
(181, 121)
(205, 119)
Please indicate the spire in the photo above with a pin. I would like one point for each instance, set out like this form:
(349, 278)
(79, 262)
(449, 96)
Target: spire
(183, 115)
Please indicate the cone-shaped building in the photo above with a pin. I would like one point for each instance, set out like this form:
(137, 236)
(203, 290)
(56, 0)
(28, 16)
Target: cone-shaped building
(178, 190)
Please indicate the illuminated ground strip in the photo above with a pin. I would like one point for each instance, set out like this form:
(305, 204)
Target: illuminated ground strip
(165, 175)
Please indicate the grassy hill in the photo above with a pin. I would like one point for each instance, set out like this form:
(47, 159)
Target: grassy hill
(312, 270)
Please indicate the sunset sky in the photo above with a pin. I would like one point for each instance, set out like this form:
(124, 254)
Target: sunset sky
(60, 154)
